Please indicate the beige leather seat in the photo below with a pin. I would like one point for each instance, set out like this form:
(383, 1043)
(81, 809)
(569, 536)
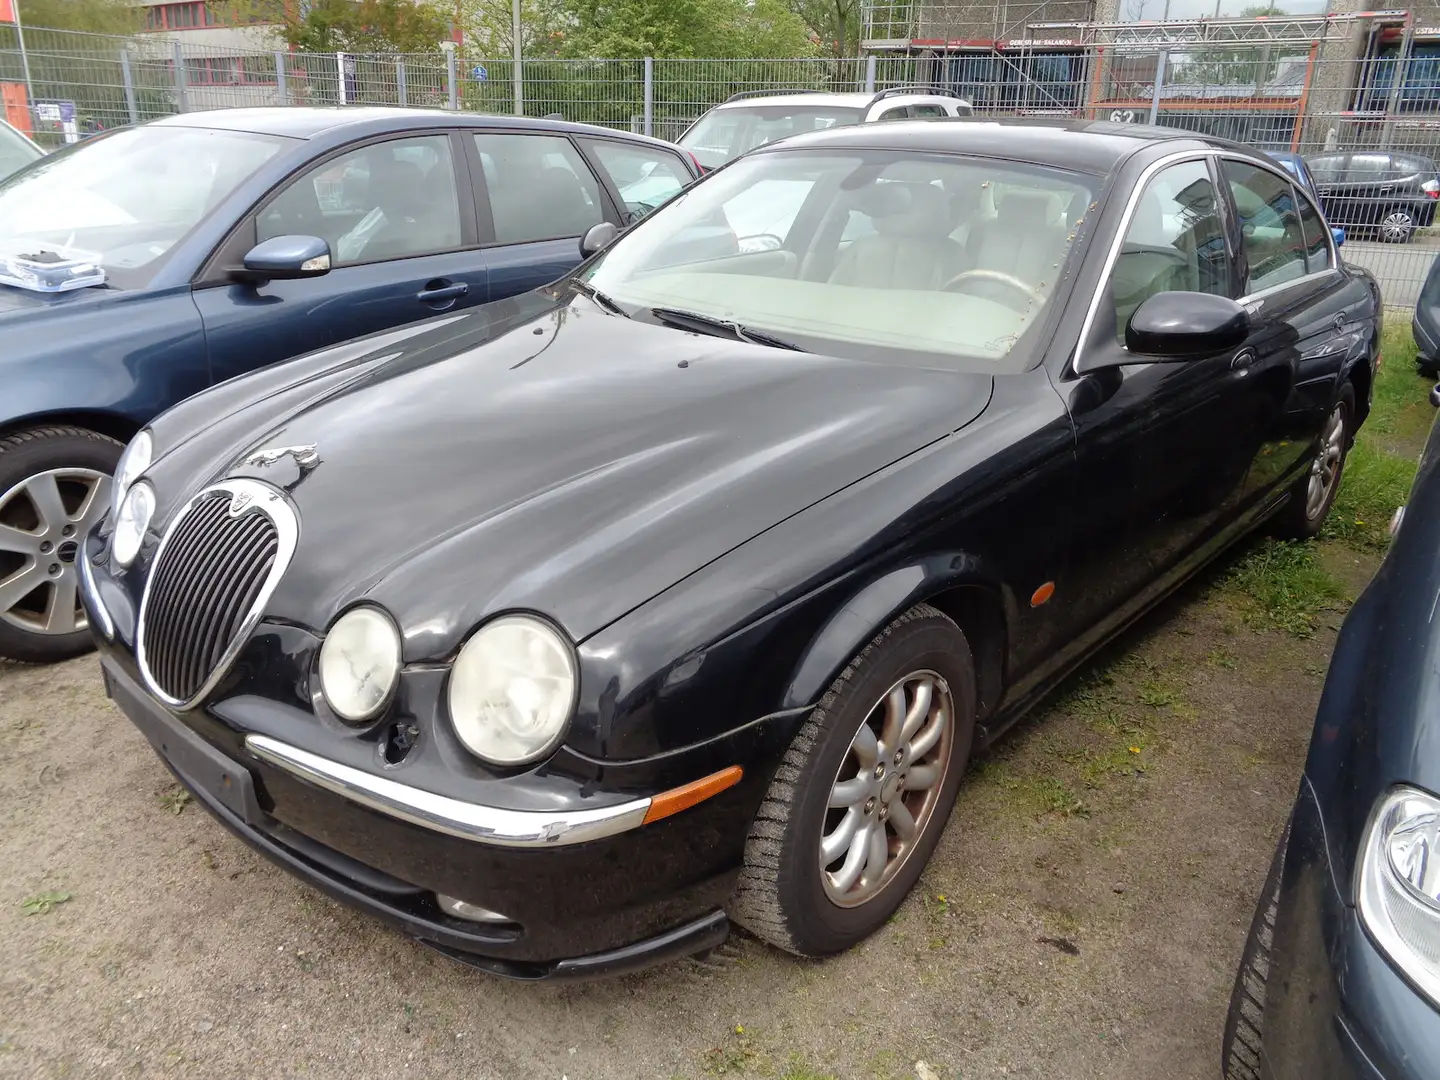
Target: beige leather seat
(910, 248)
(1024, 239)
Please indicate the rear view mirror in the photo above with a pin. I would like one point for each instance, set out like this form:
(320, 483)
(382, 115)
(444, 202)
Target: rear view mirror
(597, 238)
(1183, 325)
(283, 258)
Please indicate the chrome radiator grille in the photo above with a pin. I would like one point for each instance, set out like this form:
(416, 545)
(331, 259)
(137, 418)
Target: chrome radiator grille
(217, 565)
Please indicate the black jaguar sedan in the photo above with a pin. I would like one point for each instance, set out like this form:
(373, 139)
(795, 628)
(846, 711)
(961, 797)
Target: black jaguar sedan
(563, 631)
(1340, 977)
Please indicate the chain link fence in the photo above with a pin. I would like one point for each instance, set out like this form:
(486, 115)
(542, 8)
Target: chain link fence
(1359, 104)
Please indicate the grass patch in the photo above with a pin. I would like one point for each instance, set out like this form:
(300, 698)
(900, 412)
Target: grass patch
(1281, 585)
(1375, 483)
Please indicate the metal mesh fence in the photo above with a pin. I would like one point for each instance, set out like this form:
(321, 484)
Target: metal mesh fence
(1357, 96)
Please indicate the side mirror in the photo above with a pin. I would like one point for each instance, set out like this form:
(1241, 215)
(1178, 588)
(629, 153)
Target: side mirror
(1339, 235)
(1184, 325)
(598, 237)
(283, 258)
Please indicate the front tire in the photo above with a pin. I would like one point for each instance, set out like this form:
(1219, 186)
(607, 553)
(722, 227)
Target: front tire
(1245, 1020)
(863, 793)
(1314, 493)
(54, 486)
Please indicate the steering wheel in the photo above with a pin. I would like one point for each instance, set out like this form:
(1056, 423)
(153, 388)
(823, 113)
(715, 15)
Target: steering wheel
(993, 275)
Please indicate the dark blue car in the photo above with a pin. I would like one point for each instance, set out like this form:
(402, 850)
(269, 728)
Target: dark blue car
(1296, 166)
(1340, 978)
(221, 242)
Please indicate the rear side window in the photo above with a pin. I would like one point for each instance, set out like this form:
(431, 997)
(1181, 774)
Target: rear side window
(540, 187)
(928, 110)
(1369, 168)
(644, 177)
(1273, 241)
(1327, 169)
(1317, 243)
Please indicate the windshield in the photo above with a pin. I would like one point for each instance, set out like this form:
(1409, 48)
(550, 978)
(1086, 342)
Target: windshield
(127, 198)
(902, 258)
(15, 151)
(727, 132)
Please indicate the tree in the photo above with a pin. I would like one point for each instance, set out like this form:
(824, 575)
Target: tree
(366, 26)
(94, 16)
(836, 24)
(1251, 65)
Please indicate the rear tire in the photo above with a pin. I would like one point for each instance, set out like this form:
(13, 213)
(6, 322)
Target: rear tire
(1397, 225)
(1245, 1021)
(54, 486)
(1304, 514)
(862, 795)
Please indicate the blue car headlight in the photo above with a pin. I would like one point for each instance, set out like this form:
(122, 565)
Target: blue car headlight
(1399, 884)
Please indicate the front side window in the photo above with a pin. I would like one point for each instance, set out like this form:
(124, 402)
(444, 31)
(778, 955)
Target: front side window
(955, 266)
(1175, 242)
(126, 199)
(387, 200)
(644, 177)
(539, 187)
(928, 110)
(1328, 169)
(726, 133)
(1271, 237)
(901, 112)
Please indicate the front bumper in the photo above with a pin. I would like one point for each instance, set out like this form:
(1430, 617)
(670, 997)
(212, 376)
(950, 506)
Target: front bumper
(1335, 1007)
(602, 937)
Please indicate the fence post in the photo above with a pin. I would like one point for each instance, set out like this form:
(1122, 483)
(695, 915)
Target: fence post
(129, 79)
(341, 96)
(179, 55)
(518, 48)
(649, 126)
(452, 83)
(400, 82)
(870, 74)
(1160, 59)
(282, 91)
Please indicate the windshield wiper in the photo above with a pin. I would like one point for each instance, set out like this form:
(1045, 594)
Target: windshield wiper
(584, 288)
(709, 324)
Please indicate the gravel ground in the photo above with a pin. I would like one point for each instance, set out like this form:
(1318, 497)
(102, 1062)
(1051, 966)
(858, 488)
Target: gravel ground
(1082, 917)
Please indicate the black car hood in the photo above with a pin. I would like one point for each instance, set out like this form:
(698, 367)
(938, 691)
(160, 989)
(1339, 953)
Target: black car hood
(562, 460)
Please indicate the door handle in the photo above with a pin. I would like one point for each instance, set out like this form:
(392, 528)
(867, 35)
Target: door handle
(1242, 360)
(444, 292)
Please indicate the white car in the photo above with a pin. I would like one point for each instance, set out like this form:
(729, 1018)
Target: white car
(744, 121)
(16, 151)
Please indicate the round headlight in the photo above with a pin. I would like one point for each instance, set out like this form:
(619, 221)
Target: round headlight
(512, 690)
(1399, 884)
(131, 521)
(360, 663)
(133, 462)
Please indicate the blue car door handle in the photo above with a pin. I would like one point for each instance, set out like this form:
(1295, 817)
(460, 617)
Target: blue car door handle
(442, 293)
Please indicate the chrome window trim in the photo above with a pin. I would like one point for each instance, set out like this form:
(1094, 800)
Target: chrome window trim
(453, 817)
(1128, 215)
(264, 499)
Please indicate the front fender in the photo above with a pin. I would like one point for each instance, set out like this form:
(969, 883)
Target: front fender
(876, 604)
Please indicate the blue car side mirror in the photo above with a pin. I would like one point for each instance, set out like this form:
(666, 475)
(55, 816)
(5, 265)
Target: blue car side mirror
(284, 258)
(1339, 235)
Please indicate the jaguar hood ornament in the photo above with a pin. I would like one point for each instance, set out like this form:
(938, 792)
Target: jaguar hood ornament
(305, 456)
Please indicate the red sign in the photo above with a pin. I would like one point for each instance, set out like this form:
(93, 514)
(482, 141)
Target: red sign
(7, 11)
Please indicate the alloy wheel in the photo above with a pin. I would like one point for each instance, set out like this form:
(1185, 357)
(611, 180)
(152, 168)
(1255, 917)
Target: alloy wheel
(1325, 469)
(43, 520)
(1397, 226)
(884, 794)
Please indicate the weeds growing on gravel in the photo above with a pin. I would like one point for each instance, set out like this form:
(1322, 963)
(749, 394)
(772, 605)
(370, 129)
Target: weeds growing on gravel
(1281, 585)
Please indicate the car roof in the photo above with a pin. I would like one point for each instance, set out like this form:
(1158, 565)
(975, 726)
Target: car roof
(1095, 146)
(827, 100)
(309, 122)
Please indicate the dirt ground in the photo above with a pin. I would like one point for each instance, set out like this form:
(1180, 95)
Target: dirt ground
(1082, 917)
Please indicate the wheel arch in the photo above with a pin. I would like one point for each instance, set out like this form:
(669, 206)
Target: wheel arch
(960, 586)
(1361, 377)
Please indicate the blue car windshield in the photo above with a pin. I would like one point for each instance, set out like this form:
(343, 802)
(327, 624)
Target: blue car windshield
(126, 199)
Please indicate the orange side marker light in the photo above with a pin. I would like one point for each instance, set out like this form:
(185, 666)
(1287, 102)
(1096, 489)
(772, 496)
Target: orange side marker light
(697, 791)
(1043, 593)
